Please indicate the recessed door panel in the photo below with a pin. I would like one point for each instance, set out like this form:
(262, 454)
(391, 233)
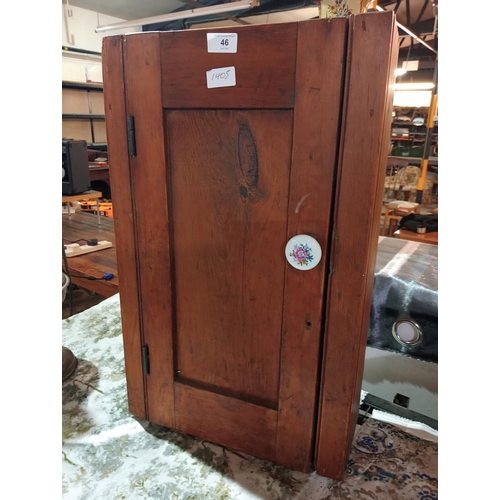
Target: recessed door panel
(229, 202)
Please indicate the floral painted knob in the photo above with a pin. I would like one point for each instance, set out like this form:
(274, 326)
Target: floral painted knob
(303, 252)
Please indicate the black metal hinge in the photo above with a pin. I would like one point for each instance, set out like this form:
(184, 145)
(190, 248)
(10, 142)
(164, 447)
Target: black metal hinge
(145, 360)
(131, 136)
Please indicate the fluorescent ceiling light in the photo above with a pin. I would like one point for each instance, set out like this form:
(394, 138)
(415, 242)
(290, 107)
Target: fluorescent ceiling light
(184, 14)
(410, 65)
(413, 86)
(400, 71)
(412, 98)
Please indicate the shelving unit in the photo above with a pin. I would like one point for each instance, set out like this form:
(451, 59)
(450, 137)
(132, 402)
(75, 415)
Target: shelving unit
(83, 119)
(408, 135)
(433, 161)
(83, 112)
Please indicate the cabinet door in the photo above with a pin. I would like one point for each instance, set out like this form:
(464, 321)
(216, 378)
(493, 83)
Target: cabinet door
(221, 179)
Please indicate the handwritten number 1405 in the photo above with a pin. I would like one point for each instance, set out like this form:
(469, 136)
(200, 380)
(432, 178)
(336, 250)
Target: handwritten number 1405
(221, 76)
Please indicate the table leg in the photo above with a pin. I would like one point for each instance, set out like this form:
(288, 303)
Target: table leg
(391, 227)
(386, 218)
(98, 213)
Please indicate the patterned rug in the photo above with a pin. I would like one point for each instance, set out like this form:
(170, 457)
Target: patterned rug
(108, 454)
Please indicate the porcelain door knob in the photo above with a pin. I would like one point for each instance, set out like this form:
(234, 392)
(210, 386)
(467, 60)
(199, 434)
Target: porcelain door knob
(303, 252)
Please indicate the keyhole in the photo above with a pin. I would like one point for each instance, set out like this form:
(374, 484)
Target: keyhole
(308, 325)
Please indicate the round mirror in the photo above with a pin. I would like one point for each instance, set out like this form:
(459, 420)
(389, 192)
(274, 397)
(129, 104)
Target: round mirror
(406, 332)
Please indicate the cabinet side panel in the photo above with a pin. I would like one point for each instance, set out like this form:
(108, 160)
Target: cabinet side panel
(148, 171)
(123, 218)
(318, 101)
(364, 146)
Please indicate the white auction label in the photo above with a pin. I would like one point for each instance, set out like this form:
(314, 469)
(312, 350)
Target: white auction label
(221, 77)
(222, 42)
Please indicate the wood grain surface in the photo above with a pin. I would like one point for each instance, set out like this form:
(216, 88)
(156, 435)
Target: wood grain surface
(264, 66)
(405, 234)
(371, 59)
(229, 189)
(318, 101)
(124, 220)
(83, 226)
(228, 421)
(243, 347)
(148, 172)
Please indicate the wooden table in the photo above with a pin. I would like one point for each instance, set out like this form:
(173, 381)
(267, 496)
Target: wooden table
(406, 234)
(85, 225)
(395, 211)
(99, 178)
(87, 195)
(99, 173)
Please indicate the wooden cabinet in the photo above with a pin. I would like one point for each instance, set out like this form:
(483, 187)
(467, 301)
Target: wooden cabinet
(223, 338)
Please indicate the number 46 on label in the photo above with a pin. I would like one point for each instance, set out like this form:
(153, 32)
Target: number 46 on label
(222, 42)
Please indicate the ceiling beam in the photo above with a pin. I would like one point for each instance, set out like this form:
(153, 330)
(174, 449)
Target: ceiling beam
(194, 3)
(423, 27)
(411, 33)
(265, 7)
(385, 3)
(426, 3)
(182, 15)
(418, 51)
